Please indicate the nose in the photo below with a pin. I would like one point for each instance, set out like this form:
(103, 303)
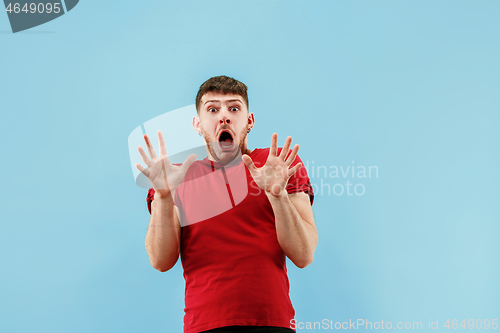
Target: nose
(224, 117)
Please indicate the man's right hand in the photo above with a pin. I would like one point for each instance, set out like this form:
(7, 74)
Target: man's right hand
(164, 177)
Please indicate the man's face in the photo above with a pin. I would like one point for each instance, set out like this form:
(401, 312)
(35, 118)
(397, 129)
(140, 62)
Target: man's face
(224, 121)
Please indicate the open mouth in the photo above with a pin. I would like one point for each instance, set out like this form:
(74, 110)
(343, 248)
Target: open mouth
(225, 139)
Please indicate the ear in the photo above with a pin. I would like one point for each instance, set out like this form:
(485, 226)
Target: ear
(196, 124)
(251, 120)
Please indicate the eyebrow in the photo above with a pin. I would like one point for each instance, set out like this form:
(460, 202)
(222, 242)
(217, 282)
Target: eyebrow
(218, 101)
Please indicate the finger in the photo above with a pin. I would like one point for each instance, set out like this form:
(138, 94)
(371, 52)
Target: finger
(294, 169)
(144, 157)
(149, 145)
(188, 161)
(286, 148)
(292, 155)
(249, 163)
(144, 171)
(161, 142)
(274, 145)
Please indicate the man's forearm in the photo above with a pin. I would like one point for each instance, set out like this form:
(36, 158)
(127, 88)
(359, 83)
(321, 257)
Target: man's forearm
(162, 238)
(297, 238)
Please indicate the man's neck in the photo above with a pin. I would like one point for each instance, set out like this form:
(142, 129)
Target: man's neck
(211, 158)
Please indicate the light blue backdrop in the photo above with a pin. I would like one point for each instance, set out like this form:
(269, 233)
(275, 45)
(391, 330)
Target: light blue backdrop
(411, 87)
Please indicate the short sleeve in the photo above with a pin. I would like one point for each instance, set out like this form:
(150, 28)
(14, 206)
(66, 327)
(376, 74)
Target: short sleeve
(149, 198)
(299, 181)
(151, 195)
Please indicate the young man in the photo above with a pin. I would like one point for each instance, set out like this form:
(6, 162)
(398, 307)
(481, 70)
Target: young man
(232, 217)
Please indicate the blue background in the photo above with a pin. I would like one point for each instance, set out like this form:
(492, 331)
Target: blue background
(411, 87)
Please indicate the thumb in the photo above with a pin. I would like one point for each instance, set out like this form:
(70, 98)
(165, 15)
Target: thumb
(143, 170)
(249, 163)
(188, 161)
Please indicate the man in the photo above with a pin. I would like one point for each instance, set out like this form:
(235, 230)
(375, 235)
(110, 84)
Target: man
(231, 222)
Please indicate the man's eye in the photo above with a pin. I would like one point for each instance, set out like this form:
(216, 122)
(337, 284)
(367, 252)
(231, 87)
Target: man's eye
(234, 108)
(212, 109)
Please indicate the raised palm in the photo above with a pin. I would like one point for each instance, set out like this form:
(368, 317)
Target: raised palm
(273, 176)
(163, 176)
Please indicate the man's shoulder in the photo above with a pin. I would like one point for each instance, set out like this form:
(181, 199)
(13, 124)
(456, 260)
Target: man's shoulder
(259, 155)
(264, 152)
(259, 151)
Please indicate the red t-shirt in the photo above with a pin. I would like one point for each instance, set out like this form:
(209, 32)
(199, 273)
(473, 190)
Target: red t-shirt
(234, 267)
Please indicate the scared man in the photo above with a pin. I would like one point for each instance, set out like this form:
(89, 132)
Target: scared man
(232, 217)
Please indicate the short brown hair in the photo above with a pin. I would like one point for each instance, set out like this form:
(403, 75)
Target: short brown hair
(224, 85)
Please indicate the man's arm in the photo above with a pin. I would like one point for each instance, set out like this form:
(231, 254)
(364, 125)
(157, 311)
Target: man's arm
(294, 219)
(295, 227)
(164, 233)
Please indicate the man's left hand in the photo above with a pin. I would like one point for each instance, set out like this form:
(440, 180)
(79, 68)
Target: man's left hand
(273, 176)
